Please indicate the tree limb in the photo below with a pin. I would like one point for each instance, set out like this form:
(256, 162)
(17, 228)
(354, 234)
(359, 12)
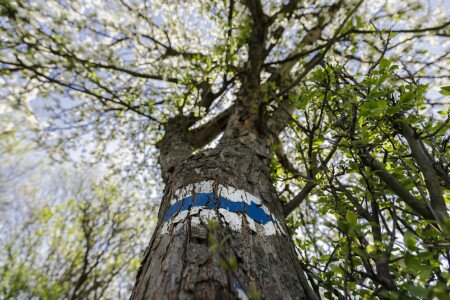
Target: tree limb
(426, 168)
(204, 134)
(298, 199)
(392, 182)
(418, 30)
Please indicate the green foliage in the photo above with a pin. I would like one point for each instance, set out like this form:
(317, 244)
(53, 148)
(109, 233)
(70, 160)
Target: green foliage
(445, 90)
(80, 247)
(355, 230)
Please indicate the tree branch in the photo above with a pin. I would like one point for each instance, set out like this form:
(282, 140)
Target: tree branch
(418, 30)
(392, 182)
(298, 199)
(283, 159)
(318, 57)
(287, 8)
(204, 134)
(426, 167)
(256, 44)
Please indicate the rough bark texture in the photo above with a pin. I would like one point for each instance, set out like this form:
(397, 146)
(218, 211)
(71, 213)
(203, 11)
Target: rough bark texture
(180, 263)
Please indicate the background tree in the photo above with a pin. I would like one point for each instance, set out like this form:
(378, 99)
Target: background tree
(83, 247)
(329, 106)
(66, 231)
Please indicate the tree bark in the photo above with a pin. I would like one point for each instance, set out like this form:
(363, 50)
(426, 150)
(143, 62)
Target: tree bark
(249, 253)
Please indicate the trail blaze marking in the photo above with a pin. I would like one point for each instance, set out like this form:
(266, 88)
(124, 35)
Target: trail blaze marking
(207, 200)
(232, 204)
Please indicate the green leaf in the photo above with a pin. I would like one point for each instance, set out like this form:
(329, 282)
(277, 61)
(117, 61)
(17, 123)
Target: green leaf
(445, 90)
(371, 249)
(393, 110)
(383, 78)
(406, 98)
(393, 67)
(373, 107)
(417, 291)
(410, 240)
(411, 262)
(351, 218)
(384, 63)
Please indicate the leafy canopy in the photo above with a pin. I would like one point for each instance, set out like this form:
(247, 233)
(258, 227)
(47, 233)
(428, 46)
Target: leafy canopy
(349, 89)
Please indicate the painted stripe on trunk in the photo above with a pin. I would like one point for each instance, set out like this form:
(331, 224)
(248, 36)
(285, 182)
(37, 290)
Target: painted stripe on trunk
(233, 205)
(208, 200)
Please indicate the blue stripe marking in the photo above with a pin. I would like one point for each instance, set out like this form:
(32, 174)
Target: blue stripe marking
(207, 200)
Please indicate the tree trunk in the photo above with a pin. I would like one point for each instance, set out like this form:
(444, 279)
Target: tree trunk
(248, 253)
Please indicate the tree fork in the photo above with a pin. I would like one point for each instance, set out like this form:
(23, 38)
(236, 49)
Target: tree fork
(230, 184)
